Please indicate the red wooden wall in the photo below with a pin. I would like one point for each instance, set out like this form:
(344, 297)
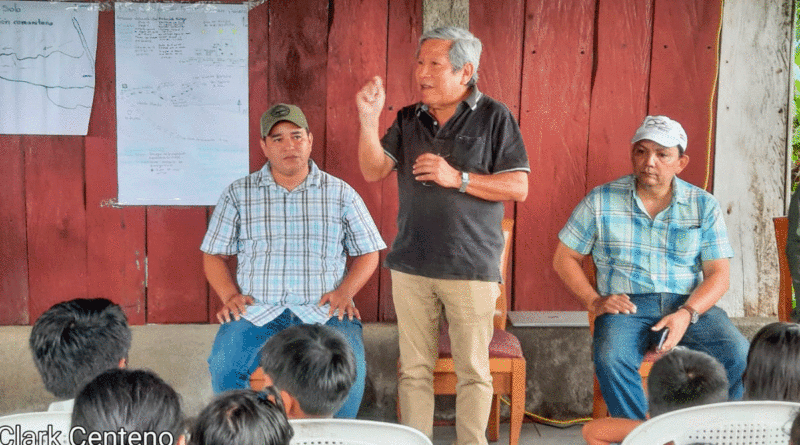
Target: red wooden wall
(578, 74)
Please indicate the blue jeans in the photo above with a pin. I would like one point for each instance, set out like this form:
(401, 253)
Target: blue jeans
(620, 342)
(235, 354)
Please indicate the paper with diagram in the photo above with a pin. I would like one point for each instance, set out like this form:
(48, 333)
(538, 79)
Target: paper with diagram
(182, 101)
(47, 67)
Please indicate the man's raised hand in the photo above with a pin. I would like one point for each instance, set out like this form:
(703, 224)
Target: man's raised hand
(370, 100)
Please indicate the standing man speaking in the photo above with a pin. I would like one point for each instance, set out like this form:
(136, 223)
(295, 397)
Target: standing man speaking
(458, 154)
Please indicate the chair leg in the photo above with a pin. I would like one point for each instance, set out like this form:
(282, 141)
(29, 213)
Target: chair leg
(493, 429)
(599, 408)
(517, 401)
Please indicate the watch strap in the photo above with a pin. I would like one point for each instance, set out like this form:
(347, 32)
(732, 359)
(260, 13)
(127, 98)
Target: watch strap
(695, 315)
(464, 182)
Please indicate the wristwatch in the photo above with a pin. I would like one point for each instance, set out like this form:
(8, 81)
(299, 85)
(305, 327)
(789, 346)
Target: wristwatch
(464, 182)
(695, 315)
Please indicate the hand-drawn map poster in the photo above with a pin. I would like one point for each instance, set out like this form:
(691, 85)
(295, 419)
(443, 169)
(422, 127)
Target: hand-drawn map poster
(47, 53)
(182, 101)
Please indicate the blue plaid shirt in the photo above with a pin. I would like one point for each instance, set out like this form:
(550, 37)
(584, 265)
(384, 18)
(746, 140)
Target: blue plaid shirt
(291, 245)
(636, 254)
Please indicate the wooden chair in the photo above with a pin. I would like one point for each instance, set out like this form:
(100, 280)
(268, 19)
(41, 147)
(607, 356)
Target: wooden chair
(506, 361)
(599, 408)
(781, 224)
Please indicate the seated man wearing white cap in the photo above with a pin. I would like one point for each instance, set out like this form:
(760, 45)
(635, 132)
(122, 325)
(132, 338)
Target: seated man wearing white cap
(661, 251)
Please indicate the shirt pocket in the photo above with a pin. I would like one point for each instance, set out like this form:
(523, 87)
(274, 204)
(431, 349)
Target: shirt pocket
(469, 154)
(252, 249)
(683, 243)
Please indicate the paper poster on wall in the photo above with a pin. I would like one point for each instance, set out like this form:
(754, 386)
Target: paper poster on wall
(182, 101)
(47, 54)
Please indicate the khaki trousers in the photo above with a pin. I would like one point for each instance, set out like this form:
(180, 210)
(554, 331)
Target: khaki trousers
(469, 309)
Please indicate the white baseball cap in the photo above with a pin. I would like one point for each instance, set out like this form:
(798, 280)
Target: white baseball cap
(661, 130)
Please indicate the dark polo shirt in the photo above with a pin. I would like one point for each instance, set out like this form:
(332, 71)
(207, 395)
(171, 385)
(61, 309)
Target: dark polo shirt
(443, 233)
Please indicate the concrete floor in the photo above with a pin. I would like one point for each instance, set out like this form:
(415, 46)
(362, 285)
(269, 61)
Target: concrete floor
(532, 433)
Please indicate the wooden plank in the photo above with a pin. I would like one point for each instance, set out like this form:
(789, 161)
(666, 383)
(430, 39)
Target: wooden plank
(56, 217)
(258, 31)
(357, 46)
(556, 89)
(176, 287)
(115, 236)
(752, 127)
(298, 55)
(405, 27)
(13, 236)
(683, 76)
(500, 27)
(619, 95)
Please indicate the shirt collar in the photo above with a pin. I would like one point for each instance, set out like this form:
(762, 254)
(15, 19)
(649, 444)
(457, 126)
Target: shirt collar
(680, 189)
(471, 101)
(314, 178)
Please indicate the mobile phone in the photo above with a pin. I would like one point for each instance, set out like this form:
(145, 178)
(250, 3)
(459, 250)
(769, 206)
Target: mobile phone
(664, 333)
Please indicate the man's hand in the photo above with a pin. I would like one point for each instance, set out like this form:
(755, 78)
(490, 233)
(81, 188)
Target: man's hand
(677, 322)
(234, 307)
(433, 168)
(340, 302)
(370, 102)
(613, 304)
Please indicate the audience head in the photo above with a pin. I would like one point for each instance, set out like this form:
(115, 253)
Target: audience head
(794, 433)
(312, 366)
(773, 364)
(243, 417)
(137, 401)
(74, 341)
(683, 378)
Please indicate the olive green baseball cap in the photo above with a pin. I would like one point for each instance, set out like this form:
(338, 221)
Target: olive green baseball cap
(282, 112)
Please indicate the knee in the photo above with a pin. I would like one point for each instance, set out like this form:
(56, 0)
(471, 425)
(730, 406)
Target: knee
(608, 356)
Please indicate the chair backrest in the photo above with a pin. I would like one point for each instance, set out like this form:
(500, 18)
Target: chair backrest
(501, 306)
(48, 423)
(353, 432)
(729, 423)
(591, 273)
(781, 224)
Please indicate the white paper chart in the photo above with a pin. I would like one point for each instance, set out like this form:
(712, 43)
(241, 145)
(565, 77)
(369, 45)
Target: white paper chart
(182, 101)
(47, 67)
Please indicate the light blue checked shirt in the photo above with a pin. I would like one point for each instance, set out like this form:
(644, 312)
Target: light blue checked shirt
(291, 246)
(636, 254)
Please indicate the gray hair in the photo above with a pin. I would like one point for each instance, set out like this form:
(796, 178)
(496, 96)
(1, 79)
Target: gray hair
(466, 48)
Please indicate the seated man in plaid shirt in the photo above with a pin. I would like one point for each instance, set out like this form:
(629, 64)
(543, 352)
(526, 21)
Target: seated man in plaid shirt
(291, 227)
(661, 251)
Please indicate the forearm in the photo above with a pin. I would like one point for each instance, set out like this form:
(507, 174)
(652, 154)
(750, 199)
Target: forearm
(568, 266)
(357, 276)
(510, 186)
(219, 276)
(716, 279)
(709, 291)
(375, 164)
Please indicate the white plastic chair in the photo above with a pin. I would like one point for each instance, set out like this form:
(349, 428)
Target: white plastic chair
(354, 432)
(728, 423)
(50, 422)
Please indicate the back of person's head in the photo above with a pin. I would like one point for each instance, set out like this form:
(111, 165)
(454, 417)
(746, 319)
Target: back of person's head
(74, 341)
(794, 432)
(683, 378)
(242, 417)
(134, 400)
(773, 364)
(312, 363)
